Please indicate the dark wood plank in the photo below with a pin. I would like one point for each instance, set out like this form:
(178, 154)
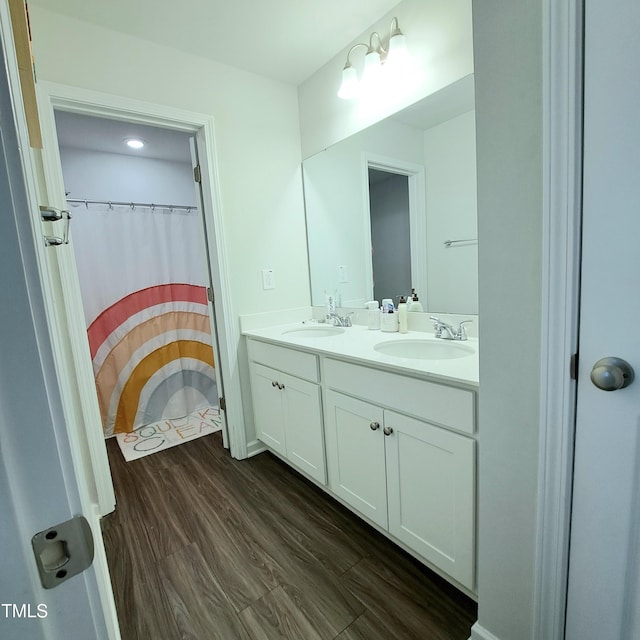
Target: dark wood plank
(205, 546)
(411, 600)
(198, 602)
(277, 616)
(227, 538)
(142, 607)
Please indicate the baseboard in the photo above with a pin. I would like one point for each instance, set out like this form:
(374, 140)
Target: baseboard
(254, 448)
(478, 632)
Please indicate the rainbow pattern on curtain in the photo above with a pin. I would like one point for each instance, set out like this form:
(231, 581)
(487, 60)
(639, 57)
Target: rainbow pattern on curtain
(149, 349)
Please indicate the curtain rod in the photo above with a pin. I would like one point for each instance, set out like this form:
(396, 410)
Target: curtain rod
(133, 205)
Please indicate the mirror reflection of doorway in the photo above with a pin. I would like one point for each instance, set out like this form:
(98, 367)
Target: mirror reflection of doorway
(390, 234)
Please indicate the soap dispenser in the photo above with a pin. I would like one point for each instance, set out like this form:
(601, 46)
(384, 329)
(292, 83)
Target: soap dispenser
(416, 305)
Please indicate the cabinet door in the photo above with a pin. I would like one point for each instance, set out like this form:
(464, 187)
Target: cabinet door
(355, 455)
(303, 426)
(267, 407)
(430, 483)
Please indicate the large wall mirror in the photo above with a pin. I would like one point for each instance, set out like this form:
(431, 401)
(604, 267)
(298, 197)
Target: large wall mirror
(393, 208)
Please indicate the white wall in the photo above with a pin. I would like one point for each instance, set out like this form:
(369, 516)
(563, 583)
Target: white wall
(450, 162)
(508, 53)
(95, 175)
(439, 38)
(257, 141)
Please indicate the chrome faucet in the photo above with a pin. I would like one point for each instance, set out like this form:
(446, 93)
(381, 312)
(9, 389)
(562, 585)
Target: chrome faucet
(340, 321)
(447, 332)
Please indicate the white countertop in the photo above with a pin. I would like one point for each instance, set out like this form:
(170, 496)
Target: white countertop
(357, 343)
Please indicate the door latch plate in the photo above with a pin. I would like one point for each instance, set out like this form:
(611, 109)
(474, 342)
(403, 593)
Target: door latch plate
(63, 551)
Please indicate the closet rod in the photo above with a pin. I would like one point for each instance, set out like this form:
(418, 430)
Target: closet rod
(133, 205)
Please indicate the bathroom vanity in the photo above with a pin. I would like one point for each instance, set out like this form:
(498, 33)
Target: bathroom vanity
(384, 422)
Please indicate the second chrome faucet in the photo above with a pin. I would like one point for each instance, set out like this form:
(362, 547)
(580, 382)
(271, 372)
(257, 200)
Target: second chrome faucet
(447, 332)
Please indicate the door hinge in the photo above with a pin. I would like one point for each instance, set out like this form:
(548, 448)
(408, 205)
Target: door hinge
(573, 367)
(197, 174)
(222, 404)
(209, 294)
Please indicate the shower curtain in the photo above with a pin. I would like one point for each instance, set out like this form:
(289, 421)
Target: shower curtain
(142, 278)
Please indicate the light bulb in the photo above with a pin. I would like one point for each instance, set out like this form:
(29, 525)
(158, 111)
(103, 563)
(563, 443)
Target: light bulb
(398, 53)
(350, 86)
(134, 143)
(372, 70)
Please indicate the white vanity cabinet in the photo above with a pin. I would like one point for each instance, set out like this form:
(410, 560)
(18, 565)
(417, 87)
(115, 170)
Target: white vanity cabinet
(287, 405)
(408, 476)
(400, 446)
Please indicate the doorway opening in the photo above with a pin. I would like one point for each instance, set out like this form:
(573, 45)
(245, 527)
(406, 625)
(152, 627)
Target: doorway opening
(63, 296)
(395, 219)
(390, 234)
(140, 252)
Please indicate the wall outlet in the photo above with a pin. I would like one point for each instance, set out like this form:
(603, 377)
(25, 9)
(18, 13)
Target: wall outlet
(268, 281)
(342, 273)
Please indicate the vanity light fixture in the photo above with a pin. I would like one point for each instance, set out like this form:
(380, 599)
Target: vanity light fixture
(134, 143)
(376, 59)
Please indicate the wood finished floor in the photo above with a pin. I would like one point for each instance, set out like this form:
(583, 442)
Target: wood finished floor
(205, 547)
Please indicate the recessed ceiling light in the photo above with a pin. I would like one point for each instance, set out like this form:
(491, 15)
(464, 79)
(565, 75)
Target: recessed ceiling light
(134, 143)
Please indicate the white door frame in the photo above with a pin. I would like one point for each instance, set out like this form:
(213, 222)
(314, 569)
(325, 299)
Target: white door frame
(562, 164)
(55, 96)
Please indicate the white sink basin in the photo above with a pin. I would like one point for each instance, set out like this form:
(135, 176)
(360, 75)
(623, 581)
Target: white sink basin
(314, 332)
(424, 349)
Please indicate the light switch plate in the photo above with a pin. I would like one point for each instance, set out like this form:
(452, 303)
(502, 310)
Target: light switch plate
(342, 273)
(268, 281)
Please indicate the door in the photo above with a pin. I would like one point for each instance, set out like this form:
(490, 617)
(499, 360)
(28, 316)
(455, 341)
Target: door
(604, 564)
(430, 488)
(215, 342)
(302, 410)
(355, 455)
(39, 485)
(267, 407)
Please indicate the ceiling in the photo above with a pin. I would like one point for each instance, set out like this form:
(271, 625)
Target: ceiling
(287, 40)
(101, 134)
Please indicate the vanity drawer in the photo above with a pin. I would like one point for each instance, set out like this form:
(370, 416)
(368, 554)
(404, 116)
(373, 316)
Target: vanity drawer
(437, 403)
(297, 363)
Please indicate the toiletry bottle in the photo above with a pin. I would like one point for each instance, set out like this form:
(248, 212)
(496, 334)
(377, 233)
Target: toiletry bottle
(402, 315)
(389, 321)
(373, 314)
(410, 299)
(416, 305)
(330, 304)
(387, 305)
